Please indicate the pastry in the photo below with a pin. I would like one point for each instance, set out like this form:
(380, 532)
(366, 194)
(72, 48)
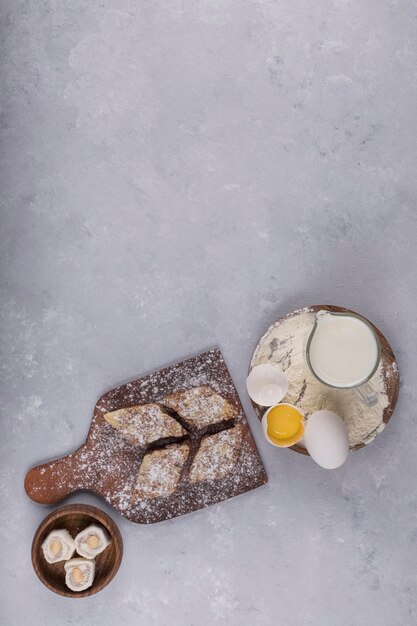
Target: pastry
(160, 472)
(217, 455)
(79, 574)
(144, 423)
(200, 406)
(58, 546)
(91, 541)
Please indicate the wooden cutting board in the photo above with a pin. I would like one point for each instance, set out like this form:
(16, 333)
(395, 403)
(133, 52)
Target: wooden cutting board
(107, 464)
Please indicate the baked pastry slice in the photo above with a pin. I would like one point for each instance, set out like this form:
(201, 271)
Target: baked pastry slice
(200, 406)
(160, 472)
(144, 423)
(217, 455)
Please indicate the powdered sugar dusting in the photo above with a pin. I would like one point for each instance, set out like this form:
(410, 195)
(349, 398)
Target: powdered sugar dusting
(160, 472)
(200, 406)
(217, 455)
(144, 424)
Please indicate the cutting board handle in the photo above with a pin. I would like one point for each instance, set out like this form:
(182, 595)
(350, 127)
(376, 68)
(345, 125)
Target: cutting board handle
(48, 483)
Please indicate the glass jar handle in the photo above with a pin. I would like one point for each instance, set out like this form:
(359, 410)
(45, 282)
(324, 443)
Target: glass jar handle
(367, 394)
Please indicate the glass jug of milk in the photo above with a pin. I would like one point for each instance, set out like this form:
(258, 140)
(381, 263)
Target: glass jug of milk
(343, 352)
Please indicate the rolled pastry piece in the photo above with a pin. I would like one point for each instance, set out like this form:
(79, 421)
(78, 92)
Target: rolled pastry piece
(91, 541)
(160, 472)
(217, 455)
(58, 546)
(143, 424)
(201, 406)
(79, 574)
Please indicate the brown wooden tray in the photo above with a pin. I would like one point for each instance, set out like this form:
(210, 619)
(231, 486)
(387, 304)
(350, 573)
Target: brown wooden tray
(389, 364)
(107, 464)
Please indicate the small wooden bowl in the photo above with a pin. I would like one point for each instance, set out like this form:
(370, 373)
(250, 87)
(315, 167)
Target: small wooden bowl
(76, 517)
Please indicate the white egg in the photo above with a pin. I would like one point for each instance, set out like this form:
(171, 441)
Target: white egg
(91, 541)
(326, 439)
(58, 546)
(79, 574)
(267, 384)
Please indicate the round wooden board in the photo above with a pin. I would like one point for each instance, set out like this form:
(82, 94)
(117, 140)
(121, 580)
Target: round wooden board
(387, 359)
(74, 518)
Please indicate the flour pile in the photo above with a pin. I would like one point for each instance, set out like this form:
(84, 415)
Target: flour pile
(285, 344)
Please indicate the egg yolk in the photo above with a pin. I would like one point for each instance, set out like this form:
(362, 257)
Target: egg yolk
(284, 423)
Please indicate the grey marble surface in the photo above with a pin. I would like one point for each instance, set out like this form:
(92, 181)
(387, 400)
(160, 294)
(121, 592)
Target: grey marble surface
(175, 176)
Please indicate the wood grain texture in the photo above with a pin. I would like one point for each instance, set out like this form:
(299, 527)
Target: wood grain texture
(387, 358)
(74, 518)
(107, 464)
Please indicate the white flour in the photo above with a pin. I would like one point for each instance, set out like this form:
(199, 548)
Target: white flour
(285, 344)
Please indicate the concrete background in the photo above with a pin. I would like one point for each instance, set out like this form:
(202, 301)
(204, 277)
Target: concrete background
(175, 176)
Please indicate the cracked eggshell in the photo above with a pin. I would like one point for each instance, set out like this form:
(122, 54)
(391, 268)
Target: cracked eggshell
(267, 384)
